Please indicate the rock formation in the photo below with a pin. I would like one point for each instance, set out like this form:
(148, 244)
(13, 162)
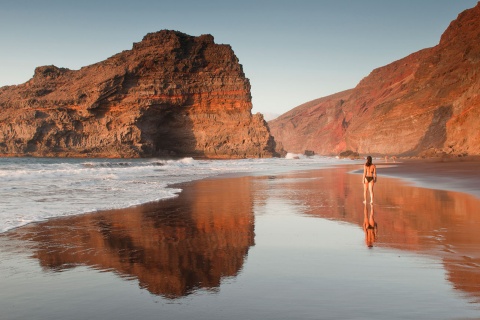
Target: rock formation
(425, 103)
(172, 94)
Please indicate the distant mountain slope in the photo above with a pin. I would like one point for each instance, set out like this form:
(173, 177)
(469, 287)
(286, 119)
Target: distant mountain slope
(425, 103)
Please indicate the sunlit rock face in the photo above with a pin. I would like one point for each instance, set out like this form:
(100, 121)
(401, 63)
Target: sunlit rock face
(171, 94)
(171, 248)
(427, 103)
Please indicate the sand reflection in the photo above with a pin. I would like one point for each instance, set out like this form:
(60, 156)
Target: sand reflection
(172, 248)
(437, 223)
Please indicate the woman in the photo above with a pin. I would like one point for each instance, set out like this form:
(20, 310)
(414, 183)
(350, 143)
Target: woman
(369, 179)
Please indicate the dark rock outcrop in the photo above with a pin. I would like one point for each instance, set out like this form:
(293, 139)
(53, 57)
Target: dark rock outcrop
(427, 102)
(172, 94)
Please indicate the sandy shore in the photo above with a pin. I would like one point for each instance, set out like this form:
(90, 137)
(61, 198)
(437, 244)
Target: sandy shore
(461, 176)
(285, 246)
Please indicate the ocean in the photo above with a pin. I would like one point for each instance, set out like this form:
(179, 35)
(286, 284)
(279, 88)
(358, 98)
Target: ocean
(36, 189)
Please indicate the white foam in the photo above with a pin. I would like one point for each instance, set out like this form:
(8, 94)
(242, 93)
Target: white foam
(38, 189)
(294, 156)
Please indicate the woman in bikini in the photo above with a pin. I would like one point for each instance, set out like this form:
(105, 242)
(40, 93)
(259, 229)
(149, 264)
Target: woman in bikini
(369, 178)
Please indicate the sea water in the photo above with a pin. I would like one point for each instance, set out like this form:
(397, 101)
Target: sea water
(35, 189)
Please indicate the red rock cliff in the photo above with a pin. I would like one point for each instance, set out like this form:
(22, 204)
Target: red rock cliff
(427, 102)
(172, 94)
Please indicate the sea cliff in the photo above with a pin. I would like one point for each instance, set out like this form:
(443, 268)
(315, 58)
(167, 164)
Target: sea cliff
(170, 95)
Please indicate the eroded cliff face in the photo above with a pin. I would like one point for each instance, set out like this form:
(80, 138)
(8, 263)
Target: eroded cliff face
(172, 94)
(426, 103)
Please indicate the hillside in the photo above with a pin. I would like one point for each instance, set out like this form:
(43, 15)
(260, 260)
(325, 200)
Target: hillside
(427, 103)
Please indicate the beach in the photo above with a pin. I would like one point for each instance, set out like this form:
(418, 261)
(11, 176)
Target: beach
(286, 245)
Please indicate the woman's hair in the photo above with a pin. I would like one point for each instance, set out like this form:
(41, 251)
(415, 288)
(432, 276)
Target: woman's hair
(369, 161)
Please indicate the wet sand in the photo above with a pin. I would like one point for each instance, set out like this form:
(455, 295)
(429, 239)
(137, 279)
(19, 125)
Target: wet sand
(462, 176)
(286, 246)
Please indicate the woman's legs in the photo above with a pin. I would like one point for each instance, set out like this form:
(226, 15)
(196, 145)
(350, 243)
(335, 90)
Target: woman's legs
(365, 187)
(370, 188)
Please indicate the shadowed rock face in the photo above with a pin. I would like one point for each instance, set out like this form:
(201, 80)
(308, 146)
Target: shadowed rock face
(172, 94)
(427, 102)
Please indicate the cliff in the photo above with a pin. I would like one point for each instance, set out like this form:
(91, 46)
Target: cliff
(427, 103)
(171, 94)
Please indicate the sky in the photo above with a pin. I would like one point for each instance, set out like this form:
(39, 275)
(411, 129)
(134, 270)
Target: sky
(292, 51)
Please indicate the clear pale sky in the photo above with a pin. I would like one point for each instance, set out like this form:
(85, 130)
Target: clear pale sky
(292, 51)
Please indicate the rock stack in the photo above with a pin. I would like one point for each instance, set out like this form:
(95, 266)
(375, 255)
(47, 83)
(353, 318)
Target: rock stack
(171, 95)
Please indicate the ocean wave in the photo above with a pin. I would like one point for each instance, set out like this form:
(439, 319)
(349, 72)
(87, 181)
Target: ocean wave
(38, 189)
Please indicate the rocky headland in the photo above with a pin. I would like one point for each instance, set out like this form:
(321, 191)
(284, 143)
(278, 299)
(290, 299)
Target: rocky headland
(170, 95)
(426, 104)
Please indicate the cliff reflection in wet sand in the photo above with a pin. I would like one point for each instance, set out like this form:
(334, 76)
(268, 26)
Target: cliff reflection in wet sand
(437, 223)
(171, 247)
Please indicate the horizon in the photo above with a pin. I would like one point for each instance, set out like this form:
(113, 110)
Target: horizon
(283, 46)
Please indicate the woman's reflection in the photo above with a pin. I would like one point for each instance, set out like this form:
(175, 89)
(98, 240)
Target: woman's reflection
(369, 226)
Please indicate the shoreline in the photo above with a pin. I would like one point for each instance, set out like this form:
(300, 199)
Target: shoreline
(457, 176)
(229, 241)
